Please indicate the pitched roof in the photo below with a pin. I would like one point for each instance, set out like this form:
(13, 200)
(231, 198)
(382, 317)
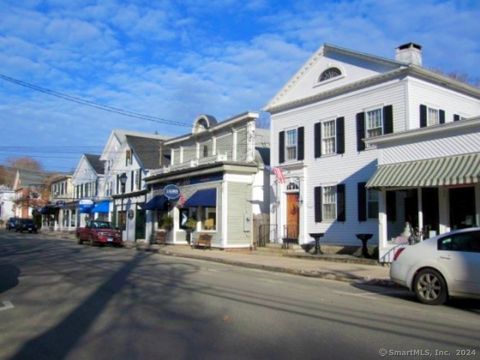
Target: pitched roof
(31, 177)
(95, 162)
(146, 149)
(394, 69)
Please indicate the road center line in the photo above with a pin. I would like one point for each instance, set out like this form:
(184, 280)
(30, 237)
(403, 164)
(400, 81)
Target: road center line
(6, 305)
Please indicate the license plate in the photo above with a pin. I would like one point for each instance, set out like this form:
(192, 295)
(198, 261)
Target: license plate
(109, 239)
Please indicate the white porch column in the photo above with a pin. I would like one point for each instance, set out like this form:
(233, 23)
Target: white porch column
(420, 212)
(224, 213)
(444, 210)
(477, 204)
(382, 220)
(176, 224)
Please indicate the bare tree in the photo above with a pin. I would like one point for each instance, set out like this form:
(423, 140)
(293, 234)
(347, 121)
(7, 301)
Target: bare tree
(7, 171)
(455, 75)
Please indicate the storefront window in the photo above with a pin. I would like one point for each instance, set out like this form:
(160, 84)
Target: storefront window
(209, 218)
(185, 214)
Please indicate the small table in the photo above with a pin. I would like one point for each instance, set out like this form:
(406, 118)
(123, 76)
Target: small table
(364, 238)
(317, 237)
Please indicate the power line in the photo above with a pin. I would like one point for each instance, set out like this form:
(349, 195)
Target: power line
(93, 104)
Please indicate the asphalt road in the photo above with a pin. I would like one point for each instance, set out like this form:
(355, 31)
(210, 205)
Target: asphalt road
(60, 300)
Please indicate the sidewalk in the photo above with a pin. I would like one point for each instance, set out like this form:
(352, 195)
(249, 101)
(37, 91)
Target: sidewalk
(327, 267)
(321, 268)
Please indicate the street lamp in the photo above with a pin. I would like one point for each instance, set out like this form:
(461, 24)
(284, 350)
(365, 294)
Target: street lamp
(123, 181)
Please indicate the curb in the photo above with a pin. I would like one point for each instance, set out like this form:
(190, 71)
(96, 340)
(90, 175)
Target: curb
(314, 274)
(349, 278)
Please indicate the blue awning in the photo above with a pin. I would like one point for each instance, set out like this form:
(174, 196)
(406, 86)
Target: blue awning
(158, 202)
(47, 210)
(101, 207)
(206, 197)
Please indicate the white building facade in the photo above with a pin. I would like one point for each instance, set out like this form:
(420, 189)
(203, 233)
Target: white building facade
(88, 183)
(219, 170)
(7, 204)
(319, 123)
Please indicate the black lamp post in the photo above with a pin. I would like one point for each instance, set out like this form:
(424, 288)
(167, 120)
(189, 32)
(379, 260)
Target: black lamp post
(123, 181)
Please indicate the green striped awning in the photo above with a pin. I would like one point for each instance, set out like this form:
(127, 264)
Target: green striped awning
(451, 170)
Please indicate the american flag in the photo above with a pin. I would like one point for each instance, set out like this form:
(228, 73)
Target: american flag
(181, 200)
(279, 174)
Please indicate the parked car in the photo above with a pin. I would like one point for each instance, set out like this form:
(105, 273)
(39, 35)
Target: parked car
(99, 232)
(25, 225)
(10, 225)
(443, 266)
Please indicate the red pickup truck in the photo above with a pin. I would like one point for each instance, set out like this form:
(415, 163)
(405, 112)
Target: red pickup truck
(99, 232)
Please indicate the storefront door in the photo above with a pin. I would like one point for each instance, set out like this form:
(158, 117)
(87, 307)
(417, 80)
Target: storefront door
(140, 224)
(462, 207)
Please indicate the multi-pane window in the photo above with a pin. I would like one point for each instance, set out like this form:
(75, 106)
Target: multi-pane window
(372, 203)
(209, 218)
(128, 157)
(329, 202)
(328, 137)
(374, 123)
(433, 116)
(330, 73)
(291, 144)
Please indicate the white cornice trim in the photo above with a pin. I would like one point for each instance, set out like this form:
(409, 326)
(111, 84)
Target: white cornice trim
(415, 133)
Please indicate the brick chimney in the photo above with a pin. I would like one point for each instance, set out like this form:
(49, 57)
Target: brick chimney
(409, 53)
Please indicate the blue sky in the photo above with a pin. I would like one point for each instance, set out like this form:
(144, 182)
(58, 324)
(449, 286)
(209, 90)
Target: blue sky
(176, 60)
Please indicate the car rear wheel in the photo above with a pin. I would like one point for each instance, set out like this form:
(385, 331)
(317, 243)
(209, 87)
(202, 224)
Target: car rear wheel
(430, 287)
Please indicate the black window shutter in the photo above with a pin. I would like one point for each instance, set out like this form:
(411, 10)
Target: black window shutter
(118, 183)
(442, 116)
(456, 117)
(391, 206)
(301, 143)
(388, 119)
(360, 131)
(423, 116)
(341, 216)
(140, 179)
(318, 203)
(281, 147)
(340, 135)
(318, 139)
(362, 201)
(132, 180)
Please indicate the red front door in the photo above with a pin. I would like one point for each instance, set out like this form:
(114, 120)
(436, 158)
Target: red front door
(292, 216)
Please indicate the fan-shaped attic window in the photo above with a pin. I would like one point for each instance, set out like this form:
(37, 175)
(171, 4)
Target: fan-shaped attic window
(330, 73)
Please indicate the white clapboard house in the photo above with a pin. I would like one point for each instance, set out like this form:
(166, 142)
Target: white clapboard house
(322, 122)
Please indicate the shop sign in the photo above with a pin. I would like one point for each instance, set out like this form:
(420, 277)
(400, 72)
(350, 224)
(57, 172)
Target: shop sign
(171, 192)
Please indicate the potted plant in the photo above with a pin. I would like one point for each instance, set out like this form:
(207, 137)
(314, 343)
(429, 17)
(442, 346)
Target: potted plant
(164, 226)
(166, 223)
(190, 227)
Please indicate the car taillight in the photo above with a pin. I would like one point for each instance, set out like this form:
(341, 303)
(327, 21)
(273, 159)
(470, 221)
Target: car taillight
(397, 253)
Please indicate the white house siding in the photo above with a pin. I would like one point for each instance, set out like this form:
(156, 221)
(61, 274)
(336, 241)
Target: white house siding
(239, 215)
(457, 143)
(260, 192)
(225, 145)
(242, 144)
(189, 151)
(349, 168)
(422, 92)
